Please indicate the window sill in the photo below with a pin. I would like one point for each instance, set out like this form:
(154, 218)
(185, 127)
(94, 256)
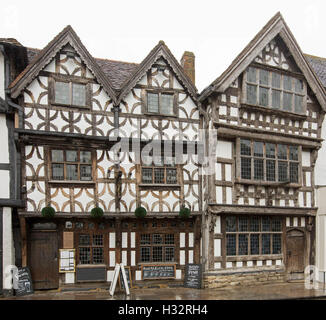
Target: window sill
(55, 104)
(159, 186)
(91, 266)
(267, 183)
(75, 182)
(160, 115)
(273, 111)
(157, 263)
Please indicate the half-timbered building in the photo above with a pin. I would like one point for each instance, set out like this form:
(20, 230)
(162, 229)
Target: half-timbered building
(12, 61)
(267, 111)
(96, 133)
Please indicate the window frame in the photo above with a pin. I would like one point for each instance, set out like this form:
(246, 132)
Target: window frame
(70, 80)
(91, 246)
(160, 92)
(65, 163)
(269, 106)
(276, 160)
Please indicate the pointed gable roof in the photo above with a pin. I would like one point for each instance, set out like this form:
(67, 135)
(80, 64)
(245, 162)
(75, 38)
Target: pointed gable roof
(276, 26)
(160, 50)
(44, 57)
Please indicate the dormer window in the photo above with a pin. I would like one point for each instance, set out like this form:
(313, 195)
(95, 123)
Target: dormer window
(275, 90)
(160, 103)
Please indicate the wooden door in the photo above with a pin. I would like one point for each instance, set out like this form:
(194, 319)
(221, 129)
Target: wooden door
(43, 259)
(295, 245)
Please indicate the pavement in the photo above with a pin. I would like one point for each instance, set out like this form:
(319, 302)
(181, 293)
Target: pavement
(276, 291)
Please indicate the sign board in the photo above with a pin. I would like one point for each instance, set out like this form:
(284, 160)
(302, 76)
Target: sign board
(24, 282)
(68, 240)
(119, 271)
(193, 276)
(67, 260)
(158, 271)
(128, 276)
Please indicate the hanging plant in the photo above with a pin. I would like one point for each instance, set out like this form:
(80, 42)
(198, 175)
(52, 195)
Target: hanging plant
(140, 212)
(48, 212)
(184, 212)
(97, 212)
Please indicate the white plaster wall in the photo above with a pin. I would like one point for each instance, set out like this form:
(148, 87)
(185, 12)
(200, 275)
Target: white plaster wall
(320, 167)
(224, 149)
(2, 76)
(5, 183)
(8, 245)
(321, 229)
(4, 154)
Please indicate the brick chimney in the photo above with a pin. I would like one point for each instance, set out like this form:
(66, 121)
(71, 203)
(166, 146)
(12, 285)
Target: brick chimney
(188, 65)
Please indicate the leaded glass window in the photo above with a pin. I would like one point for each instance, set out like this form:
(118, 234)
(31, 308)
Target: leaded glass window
(91, 248)
(69, 93)
(160, 103)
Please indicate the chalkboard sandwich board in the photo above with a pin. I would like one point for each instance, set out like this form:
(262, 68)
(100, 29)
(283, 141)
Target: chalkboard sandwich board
(158, 271)
(193, 276)
(128, 276)
(24, 282)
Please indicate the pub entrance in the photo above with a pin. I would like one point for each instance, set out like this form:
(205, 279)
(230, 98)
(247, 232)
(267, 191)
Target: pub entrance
(295, 248)
(43, 259)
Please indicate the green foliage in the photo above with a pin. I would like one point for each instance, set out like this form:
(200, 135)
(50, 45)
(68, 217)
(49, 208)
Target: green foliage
(140, 212)
(48, 212)
(97, 212)
(184, 212)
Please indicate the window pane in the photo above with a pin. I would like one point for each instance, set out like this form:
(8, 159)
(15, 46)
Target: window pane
(263, 96)
(282, 151)
(84, 240)
(62, 92)
(294, 172)
(276, 99)
(157, 254)
(251, 74)
(98, 239)
(145, 254)
(270, 150)
(266, 224)
(243, 244)
(245, 168)
(171, 176)
(258, 169)
(57, 155)
(57, 171)
(86, 173)
(243, 223)
(293, 153)
(287, 83)
(255, 224)
(254, 244)
(169, 239)
(169, 254)
(85, 255)
(147, 175)
(98, 255)
(152, 102)
(270, 170)
(282, 171)
(231, 224)
(287, 101)
(72, 172)
(78, 94)
(263, 77)
(276, 80)
(298, 104)
(245, 147)
(251, 94)
(85, 157)
(145, 239)
(158, 175)
(258, 149)
(276, 225)
(277, 243)
(298, 85)
(266, 244)
(167, 104)
(230, 244)
(157, 239)
(71, 156)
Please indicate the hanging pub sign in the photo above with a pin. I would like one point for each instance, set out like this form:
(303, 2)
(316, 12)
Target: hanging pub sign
(24, 282)
(193, 276)
(158, 272)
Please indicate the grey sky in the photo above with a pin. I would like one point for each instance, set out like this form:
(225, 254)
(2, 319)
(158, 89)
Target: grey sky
(216, 31)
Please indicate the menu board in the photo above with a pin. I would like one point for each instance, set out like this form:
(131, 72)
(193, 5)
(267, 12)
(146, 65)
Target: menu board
(128, 276)
(158, 271)
(24, 282)
(193, 276)
(67, 260)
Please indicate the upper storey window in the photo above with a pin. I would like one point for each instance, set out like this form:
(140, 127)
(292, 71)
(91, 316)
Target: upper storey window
(69, 93)
(160, 103)
(274, 90)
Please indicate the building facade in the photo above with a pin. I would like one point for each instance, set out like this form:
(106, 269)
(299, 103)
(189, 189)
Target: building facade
(267, 110)
(96, 133)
